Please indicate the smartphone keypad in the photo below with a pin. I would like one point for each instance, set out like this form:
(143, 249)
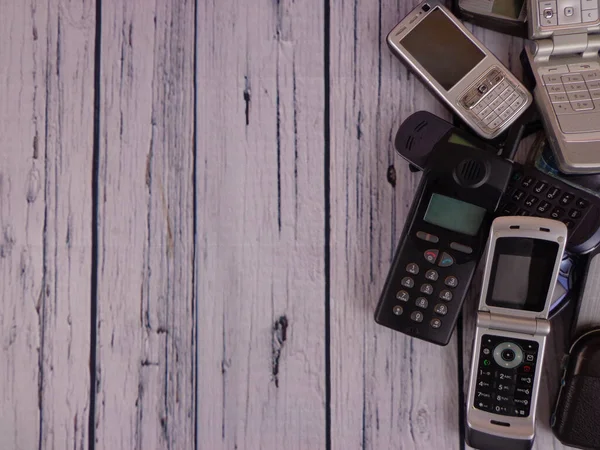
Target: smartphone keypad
(528, 195)
(505, 375)
(575, 89)
(493, 100)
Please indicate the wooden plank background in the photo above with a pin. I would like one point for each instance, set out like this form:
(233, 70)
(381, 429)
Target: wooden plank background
(199, 202)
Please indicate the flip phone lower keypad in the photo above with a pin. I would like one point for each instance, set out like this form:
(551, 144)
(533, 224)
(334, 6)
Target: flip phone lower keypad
(505, 375)
(574, 89)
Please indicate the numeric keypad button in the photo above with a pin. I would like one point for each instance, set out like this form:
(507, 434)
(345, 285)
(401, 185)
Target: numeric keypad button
(426, 289)
(518, 195)
(566, 198)
(431, 275)
(402, 296)
(398, 310)
(412, 268)
(421, 302)
(407, 282)
(557, 213)
(484, 405)
(574, 214)
(451, 281)
(543, 207)
(503, 409)
(446, 295)
(505, 376)
(505, 388)
(531, 200)
(524, 380)
(441, 309)
(553, 193)
(417, 316)
(435, 323)
(527, 181)
(581, 203)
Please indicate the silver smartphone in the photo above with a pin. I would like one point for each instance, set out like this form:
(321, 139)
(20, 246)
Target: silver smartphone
(563, 56)
(453, 64)
(522, 265)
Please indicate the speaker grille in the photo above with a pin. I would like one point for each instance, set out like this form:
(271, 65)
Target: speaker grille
(470, 172)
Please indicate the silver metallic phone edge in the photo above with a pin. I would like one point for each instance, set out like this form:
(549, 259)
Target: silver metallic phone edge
(521, 428)
(572, 156)
(536, 31)
(409, 22)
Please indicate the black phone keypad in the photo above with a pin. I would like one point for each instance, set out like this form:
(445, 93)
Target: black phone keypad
(538, 195)
(505, 375)
(428, 283)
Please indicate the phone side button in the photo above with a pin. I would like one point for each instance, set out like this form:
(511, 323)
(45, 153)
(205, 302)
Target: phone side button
(580, 123)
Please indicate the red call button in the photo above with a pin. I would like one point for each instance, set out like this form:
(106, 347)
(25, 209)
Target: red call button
(526, 368)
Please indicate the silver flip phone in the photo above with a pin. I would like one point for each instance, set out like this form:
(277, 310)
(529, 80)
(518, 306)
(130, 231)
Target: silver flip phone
(522, 265)
(563, 55)
(459, 69)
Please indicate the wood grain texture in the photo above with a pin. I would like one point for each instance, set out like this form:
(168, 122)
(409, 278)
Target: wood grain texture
(46, 124)
(145, 299)
(261, 225)
(388, 390)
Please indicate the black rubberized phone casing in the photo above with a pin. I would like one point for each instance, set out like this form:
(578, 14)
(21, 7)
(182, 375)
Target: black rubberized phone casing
(576, 417)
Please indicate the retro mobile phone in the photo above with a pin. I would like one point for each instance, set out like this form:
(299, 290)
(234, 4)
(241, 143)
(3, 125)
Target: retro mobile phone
(530, 192)
(504, 16)
(442, 241)
(459, 69)
(565, 64)
(523, 261)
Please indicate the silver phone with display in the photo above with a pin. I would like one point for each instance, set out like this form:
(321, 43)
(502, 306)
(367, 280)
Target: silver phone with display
(457, 67)
(523, 262)
(563, 56)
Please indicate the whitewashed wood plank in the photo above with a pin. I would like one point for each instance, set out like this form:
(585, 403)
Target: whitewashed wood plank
(261, 225)
(145, 299)
(388, 390)
(46, 132)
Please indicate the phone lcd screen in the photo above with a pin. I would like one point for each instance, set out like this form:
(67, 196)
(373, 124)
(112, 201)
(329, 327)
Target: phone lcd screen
(521, 273)
(442, 49)
(454, 215)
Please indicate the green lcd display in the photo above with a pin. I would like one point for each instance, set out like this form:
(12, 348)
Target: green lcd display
(456, 139)
(508, 8)
(454, 215)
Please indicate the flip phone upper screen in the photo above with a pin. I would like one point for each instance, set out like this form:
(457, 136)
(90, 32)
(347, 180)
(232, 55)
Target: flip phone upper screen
(445, 43)
(521, 273)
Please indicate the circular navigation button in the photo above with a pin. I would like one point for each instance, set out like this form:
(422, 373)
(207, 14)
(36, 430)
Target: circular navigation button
(508, 355)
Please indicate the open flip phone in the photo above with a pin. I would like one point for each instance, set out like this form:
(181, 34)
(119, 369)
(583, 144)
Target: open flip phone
(504, 16)
(477, 87)
(523, 261)
(563, 56)
(442, 241)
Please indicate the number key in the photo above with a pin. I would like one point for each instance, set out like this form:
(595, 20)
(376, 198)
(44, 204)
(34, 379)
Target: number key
(421, 302)
(441, 309)
(446, 295)
(518, 195)
(553, 193)
(407, 282)
(426, 289)
(451, 281)
(581, 203)
(574, 214)
(402, 296)
(531, 200)
(540, 187)
(412, 268)
(543, 207)
(528, 181)
(431, 275)
(557, 212)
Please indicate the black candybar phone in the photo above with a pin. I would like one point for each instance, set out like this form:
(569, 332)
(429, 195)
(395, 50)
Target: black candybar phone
(530, 192)
(442, 241)
(422, 130)
(504, 16)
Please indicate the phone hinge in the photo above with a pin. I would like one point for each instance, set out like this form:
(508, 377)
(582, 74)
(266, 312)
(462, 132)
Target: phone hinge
(501, 322)
(566, 44)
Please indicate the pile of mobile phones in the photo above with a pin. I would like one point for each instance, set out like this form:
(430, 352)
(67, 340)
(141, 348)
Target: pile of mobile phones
(535, 221)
